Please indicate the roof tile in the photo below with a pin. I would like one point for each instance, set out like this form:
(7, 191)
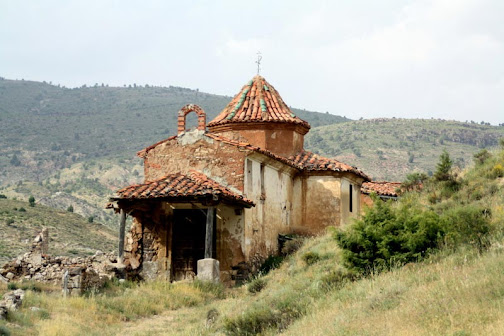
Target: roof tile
(258, 101)
(381, 188)
(180, 185)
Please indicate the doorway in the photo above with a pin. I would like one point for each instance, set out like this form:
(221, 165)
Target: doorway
(189, 230)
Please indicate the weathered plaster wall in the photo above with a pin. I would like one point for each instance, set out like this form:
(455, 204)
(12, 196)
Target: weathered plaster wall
(192, 150)
(270, 186)
(321, 203)
(346, 215)
(230, 239)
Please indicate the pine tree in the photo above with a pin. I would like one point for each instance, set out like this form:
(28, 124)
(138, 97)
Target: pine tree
(443, 168)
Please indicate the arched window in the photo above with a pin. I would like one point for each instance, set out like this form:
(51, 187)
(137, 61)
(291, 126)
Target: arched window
(184, 111)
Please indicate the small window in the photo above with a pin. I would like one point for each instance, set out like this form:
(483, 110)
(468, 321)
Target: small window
(249, 176)
(263, 189)
(350, 194)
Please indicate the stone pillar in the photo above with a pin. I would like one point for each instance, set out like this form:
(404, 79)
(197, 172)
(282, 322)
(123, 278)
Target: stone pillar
(209, 270)
(209, 232)
(44, 246)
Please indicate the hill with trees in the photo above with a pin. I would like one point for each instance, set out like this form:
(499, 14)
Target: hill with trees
(390, 149)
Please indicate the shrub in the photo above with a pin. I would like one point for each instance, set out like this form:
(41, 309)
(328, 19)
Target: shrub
(3, 196)
(31, 200)
(387, 237)
(10, 221)
(336, 279)
(271, 263)
(22, 209)
(256, 285)
(467, 224)
(292, 246)
(4, 331)
(310, 257)
(251, 322)
(262, 317)
(70, 208)
(498, 171)
(482, 156)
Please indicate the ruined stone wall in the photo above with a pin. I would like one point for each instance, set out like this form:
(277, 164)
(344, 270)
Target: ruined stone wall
(192, 150)
(147, 247)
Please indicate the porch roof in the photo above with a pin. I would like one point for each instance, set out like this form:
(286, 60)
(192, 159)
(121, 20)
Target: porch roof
(180, 187)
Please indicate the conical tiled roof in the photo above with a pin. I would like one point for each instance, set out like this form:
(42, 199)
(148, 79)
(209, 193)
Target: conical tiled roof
(258, 101)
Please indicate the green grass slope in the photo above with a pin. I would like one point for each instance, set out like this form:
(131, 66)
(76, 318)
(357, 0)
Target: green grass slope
(70, 234)
(389, 149)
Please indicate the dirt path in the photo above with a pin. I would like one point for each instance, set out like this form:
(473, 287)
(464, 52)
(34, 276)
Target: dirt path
(184, 321)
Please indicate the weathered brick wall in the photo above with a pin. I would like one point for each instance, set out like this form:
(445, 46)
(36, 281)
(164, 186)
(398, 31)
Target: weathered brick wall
(194, 151)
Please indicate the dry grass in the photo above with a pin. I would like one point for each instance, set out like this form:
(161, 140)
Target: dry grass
(462, 294)
(106, 313)
(459, 293)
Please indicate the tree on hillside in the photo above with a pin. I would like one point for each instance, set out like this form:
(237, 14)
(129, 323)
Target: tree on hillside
(443, 168)
(31, 200)
(15, 161)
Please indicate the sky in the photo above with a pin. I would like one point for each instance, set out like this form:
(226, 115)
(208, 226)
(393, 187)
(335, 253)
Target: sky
(370, 59)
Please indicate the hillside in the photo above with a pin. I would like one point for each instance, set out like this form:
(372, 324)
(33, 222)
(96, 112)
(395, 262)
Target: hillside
(389, 149)
(450, 290)
(45, 127)
(70, 233)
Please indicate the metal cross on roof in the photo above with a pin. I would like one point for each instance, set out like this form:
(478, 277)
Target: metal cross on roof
(259, 58)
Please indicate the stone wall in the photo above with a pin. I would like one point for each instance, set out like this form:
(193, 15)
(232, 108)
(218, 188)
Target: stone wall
(195, 151)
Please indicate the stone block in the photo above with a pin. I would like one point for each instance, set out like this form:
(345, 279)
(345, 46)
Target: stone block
(208, 270)
(149, 270)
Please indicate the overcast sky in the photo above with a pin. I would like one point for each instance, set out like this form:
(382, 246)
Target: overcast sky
(412, 59)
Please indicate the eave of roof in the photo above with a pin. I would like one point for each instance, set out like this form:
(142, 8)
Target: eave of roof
(182, 187)
(381, 188)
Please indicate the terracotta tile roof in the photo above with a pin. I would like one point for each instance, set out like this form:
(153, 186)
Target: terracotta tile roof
(179, 185)
(258, 101)
(304, 160)
(313, 162)
(381, 188)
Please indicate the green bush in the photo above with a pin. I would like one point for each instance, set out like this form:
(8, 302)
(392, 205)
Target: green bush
(31, 200)
(252, 322)
(256, 285)
(292, 246)
(4, 331)
(336, 279)
(262, 317)
(271, 263)
(22, 209)
(387, 237)
(468, 224)
(310, 257)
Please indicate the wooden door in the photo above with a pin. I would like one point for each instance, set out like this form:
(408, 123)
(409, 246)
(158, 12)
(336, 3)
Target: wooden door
(189, 228)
